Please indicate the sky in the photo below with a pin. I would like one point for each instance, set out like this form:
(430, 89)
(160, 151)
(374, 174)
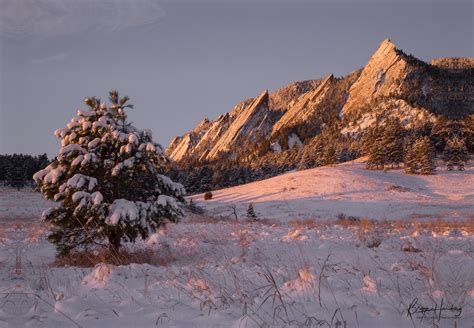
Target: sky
(183, 60)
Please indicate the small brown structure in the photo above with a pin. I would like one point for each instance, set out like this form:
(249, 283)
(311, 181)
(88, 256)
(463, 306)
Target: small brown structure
(208, 195)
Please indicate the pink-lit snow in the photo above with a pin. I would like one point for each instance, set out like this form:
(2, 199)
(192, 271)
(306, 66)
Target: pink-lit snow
(296, 267)
(350, 189)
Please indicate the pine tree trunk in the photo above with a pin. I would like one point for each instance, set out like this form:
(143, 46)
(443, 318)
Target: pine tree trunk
(114, 242)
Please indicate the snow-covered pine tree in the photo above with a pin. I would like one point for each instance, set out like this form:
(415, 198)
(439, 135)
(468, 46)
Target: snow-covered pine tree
(107, 179)
(251, 213)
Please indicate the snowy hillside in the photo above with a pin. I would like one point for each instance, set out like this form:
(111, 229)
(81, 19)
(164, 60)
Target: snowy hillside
(352, 190)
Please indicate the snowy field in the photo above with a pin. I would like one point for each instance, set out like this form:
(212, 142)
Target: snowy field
(298, 266)
(350, 189)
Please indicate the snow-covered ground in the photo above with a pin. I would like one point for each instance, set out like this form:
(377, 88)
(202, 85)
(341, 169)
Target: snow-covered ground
(350, 189)
(296, 267)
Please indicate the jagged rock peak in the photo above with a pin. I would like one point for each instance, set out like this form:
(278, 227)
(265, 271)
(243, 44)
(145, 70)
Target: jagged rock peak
(389, 78)
(328, 78)
(203, 124)
(386, 48)
(262, 98)
(246, 123)
(282, 99)
(305, 105)
(378, 77)
(387, 43)
(204, 121)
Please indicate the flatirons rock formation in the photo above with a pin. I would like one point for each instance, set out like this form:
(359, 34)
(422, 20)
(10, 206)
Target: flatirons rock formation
(378, 78)
(392, 83)
(303, 107)
(252, 118)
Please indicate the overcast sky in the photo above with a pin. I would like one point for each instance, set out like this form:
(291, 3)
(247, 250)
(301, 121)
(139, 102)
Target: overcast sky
(181, 61)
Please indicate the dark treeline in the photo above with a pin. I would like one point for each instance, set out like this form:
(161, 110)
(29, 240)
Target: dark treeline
(17, 170)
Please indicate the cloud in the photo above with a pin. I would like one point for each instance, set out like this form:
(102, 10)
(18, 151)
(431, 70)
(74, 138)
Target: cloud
(43, 18)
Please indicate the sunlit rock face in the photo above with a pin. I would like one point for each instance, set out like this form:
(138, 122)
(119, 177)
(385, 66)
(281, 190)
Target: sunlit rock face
(305, 105)
(392, 83)
(381, 77)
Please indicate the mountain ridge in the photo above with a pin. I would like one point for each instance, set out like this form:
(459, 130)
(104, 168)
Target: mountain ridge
(391, 84)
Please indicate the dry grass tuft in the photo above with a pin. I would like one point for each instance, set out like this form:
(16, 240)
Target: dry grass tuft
(87, 259)
(197, 218)
(307, 223)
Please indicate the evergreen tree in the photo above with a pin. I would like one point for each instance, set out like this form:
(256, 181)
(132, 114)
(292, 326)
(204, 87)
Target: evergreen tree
(441, 132)
(317, 151)
(107, 179)
(419, 157)
(467, 132)
(251, 213)
(368, 139)
(17, 170)
(17, 176)
(205, 178)
(409, 160)
(383, 144)
(455, 154)
(41, 162)
(392, 143)
(409, 157)
(377, 156)
(426, 155)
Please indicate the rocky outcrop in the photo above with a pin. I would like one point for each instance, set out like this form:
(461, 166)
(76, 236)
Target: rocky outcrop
(284, 98)
(392, 83)
(253, 121)
(249, 119)
(305, 106)
(180, 147)
(380, 77)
